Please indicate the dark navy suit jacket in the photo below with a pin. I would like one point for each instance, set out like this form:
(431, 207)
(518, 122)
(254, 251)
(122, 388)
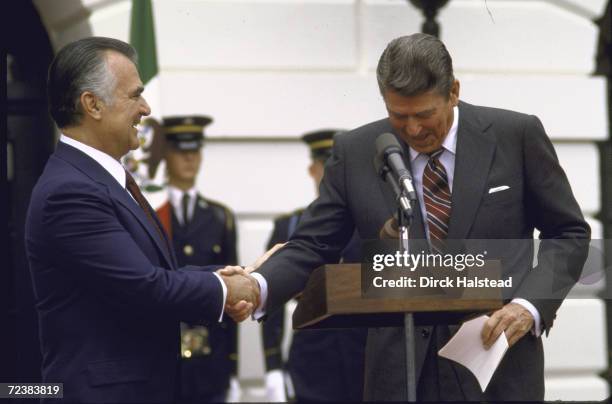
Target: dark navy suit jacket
(108, 291)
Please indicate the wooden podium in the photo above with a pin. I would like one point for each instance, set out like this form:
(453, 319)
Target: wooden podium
(333, 299)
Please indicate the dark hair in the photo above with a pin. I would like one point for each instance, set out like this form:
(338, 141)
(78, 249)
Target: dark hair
(414, 64)
(81, 66)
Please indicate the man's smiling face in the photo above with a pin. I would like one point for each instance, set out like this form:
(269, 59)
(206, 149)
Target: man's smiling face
(126, 108)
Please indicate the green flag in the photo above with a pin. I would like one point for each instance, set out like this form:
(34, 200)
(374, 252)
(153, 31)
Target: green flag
(142, 38)
(143, 162)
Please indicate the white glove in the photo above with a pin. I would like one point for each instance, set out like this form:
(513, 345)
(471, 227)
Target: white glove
(275, 386)
(235, 392)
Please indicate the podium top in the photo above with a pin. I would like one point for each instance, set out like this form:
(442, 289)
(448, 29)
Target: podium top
(333, 299)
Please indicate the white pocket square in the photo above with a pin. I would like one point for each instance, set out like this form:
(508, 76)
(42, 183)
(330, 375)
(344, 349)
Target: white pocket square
(497, 189)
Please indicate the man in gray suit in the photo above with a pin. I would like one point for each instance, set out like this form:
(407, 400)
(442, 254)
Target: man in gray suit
(503, 180)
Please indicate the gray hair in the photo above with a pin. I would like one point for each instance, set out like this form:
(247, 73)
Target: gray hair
(414, 64)
(100, 80)
(78, 67)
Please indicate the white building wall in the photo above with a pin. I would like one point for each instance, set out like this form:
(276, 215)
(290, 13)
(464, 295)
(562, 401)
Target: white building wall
(274, 69)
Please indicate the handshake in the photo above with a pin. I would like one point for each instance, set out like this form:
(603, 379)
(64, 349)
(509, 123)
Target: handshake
(243, 293)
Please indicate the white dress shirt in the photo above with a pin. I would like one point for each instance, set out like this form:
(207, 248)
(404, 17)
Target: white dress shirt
(117, 171)
(175, 196)
(114, 168)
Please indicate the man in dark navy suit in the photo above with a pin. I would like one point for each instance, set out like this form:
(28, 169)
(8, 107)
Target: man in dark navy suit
(203, 232)
(109, 292)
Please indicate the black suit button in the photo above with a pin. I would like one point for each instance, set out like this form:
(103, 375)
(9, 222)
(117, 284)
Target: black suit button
(425, 333)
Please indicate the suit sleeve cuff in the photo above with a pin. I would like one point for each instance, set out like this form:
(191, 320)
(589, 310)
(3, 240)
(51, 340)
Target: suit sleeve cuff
(537, 324)
(263, 295)
(224, 295)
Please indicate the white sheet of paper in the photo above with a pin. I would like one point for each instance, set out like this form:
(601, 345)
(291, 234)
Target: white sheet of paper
(465, 347)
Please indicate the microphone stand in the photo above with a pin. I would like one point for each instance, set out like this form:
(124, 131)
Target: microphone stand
(404, 215)
(409, 328)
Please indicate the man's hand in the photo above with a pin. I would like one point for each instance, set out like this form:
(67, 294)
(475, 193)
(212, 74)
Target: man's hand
(254, 266)
(240, 286)
(512, 319)
(240, 311)
(242, 292)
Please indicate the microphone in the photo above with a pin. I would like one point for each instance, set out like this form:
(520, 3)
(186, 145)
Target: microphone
(390, 153)
(385, 172)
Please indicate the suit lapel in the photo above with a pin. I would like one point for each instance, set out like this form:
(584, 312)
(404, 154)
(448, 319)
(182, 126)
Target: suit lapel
(122, 196)
(474, 155)
(417, 229)
(96, 172)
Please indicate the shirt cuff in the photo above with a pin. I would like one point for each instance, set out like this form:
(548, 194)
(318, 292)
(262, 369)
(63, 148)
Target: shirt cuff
(537, 325)
(224, 295)
(263, 295)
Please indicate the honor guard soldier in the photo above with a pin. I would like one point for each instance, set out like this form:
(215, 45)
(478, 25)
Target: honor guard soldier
(323, 365)
(203, 232)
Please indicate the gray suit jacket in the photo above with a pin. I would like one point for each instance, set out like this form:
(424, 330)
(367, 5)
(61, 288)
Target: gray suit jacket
(494, 147)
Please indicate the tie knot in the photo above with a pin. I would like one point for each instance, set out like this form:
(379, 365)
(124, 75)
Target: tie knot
(436, 154)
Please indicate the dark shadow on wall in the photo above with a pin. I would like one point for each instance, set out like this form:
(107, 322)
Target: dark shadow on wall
(29, 142)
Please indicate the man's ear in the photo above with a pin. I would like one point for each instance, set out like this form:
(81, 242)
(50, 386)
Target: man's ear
(312, 170)
(454, 94)
(92, 105)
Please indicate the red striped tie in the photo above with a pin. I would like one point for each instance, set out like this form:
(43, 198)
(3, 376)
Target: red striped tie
(437, 198)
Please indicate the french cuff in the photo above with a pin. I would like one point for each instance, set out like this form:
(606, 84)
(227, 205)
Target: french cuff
(263, 295)
(224, 295)
(537, 324)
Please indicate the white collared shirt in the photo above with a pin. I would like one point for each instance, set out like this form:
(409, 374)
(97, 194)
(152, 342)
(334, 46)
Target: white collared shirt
(175, 196)
(114, 168)
(117, 171)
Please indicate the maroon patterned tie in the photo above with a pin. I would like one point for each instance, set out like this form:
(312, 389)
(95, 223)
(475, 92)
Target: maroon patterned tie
(133, 189)
(437, 198)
